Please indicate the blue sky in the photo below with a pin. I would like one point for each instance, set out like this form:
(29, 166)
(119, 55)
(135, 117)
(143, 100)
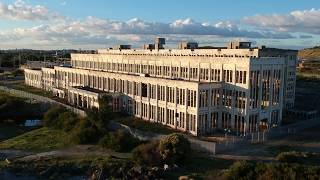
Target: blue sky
(94, 24)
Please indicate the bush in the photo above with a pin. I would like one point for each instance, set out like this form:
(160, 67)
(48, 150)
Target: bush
(50, 118)
(68, 120)
(240, 170)
(247, 170)
(291, 157)
(147, 154)
(85, 132)
(120, 141)
(98, 120)
(174, 148)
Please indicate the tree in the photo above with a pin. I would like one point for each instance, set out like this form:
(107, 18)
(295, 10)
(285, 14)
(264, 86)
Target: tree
(50, 118)
(174, 148)
(120, 141)
(147, 154)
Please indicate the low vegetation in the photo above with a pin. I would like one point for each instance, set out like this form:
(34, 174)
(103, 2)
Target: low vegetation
(147, 154)
(174, 149)
(42, 139)
(170, 150)
(299, 157)
(89, 167)
(251, 170)
(119, 141)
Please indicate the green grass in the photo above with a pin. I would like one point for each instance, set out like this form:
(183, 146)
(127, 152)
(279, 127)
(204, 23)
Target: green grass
(145, 126)
(42, 139)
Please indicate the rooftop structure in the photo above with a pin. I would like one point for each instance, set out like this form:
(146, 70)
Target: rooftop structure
(188, 45)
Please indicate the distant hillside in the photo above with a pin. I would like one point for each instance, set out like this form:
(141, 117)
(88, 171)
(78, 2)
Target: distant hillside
(311, 61)
(310, 54)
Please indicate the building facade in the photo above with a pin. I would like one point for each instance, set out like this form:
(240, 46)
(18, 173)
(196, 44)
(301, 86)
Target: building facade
(198, 91)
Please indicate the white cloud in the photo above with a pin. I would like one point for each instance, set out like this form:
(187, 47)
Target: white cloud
(96, 32)
(19, 10)
(99, 32)
(307, 21)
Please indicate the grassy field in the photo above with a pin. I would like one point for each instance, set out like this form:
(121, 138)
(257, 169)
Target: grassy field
(42, 139)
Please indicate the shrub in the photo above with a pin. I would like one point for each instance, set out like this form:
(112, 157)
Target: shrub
(291, 157)
(68, 120)
(85, 132)
(120, 141)
(240, 170)
(147, 154)
(174, 148)
(95, 118)
(50, 118)
(248, 170)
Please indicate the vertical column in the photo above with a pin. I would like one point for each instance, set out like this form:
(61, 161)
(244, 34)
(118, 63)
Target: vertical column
(176, 107)
(77, 99)
(82, 100)
(198, 72)
(148, 103)
(210, 73)
(197, 110)
(157, 105)
(271, 80)
(188, 73)
(166, 102)
(186, 109)
(281, 102)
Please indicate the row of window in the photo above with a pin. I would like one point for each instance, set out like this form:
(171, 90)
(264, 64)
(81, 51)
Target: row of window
(166, 116)
(162, 93)
(270, 81)
(167, 71)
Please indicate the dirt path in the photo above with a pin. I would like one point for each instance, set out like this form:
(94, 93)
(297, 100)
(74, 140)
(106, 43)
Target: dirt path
(79, 150)
(239, 157)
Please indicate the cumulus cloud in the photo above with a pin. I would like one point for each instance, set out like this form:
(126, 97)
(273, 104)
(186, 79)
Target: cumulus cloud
(96, 31)
(181, 26)
(19, 10)
(99, 32)
(307, 21)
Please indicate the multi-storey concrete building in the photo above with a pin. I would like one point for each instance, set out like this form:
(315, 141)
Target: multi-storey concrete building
(239, 88)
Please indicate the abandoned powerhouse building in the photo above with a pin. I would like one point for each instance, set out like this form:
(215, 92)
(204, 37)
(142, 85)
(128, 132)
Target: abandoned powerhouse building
(195, 90)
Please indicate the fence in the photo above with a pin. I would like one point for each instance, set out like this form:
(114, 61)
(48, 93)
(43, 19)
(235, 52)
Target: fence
(41, 99)
(234, 142)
